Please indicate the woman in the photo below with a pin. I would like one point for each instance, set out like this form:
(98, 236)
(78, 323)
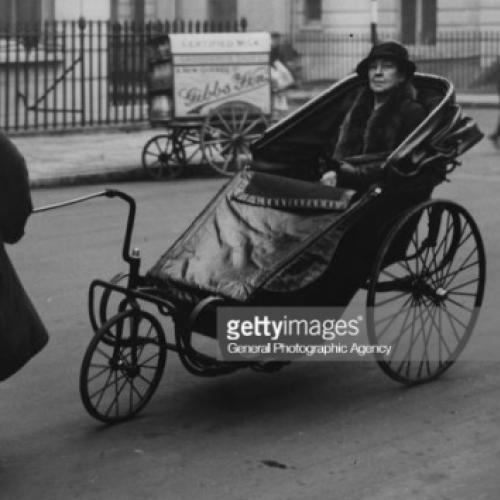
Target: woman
(281, 78)
(382, 115)
(22, 333)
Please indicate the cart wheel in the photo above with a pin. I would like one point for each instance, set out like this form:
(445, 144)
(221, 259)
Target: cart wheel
(227, 133)
(426, 290)
(122, 366)
(163, 156)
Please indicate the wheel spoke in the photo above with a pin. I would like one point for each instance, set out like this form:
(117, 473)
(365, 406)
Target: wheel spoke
(117, 395)
(406, 267)
(462, 285)
(103, 354)
(391, 299)
(99, 373)
(158, 146)
(402, 331)
(252, 125)
(427, 337)
(442, 245)
(422, 321)
(102, 390)
(452, 274)
(134, 388)
(243, 119)
(460, 268)
(401, 334)
(462, 294)
(396, 345)
(391, 275)
(228, 128)
(451, 318)
(461, 306)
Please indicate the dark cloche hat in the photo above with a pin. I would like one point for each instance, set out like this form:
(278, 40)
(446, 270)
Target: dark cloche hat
(387, 50)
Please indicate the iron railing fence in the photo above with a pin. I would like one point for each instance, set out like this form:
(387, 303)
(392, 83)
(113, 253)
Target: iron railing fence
(71, 74)
(470, 59)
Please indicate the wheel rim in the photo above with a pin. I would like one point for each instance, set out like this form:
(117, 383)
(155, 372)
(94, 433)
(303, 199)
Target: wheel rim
(163, 157)
(227, 134)
(122, 366)
(426, 306)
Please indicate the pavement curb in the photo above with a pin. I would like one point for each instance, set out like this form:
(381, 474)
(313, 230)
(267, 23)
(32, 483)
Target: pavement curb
(89, 178)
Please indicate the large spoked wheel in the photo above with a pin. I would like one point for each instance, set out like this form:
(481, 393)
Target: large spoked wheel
(425, 291)
(122, 366)
(227, 133)
(163, 156)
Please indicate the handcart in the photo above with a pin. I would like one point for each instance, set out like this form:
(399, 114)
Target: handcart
(212, 95)
(273, 237)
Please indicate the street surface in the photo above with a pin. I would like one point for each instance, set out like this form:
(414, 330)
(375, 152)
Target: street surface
(311, 431)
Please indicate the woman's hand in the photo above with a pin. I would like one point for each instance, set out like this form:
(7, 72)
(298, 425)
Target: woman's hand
(329, 178)
(347, 169)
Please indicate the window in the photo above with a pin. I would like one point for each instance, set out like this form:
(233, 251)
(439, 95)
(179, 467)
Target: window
(128, 10)
(21, 11)
(418, 22)
(222, 10)
(25, 17)
(312, 10)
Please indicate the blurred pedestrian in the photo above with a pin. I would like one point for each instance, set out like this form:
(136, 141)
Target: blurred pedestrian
(281, 78)
(491, 76)
(22, 333)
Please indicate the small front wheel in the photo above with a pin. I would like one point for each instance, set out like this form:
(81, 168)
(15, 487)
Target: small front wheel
(122, 366)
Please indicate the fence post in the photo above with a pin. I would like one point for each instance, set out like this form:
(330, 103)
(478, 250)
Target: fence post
(81, 27)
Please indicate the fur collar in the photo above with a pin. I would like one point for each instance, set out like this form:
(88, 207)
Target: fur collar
(366, 131)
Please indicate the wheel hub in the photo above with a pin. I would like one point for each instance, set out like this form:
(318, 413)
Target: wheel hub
(237, 139)
(131, 371)
(441, 293)
(420, 289)
(164, 157)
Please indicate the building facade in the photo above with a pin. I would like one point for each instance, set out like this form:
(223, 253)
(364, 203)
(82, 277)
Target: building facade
(457, 38)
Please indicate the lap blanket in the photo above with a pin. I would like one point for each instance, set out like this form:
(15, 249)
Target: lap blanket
(260, 232)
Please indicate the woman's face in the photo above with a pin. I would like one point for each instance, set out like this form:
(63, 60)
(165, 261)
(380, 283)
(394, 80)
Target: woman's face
(383, 75)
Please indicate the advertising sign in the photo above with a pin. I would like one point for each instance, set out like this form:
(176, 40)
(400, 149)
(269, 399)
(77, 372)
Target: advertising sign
(213, 68)
(201, 88)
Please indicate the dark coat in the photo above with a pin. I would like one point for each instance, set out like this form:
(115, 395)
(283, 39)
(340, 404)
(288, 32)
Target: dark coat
(15, 199)
(364, 132)
(22, 333)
